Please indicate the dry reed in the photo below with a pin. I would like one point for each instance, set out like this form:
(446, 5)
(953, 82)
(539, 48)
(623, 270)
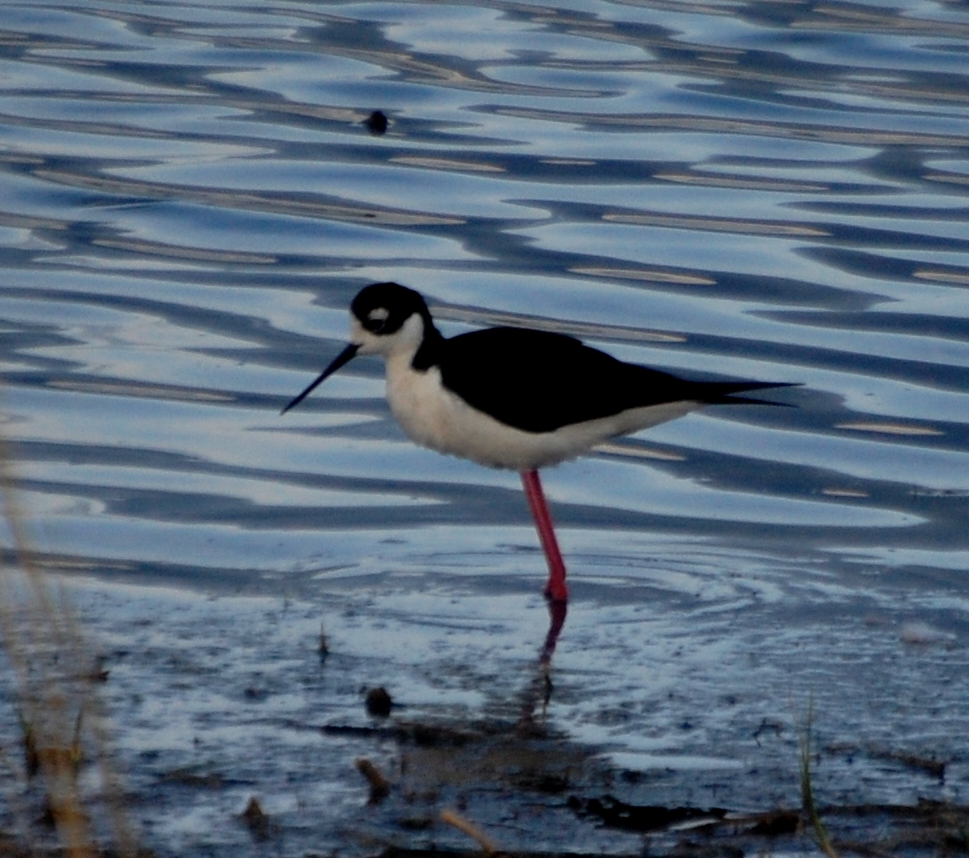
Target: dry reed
(62, 720)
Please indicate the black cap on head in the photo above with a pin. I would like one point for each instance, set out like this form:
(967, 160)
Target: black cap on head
(382, 308)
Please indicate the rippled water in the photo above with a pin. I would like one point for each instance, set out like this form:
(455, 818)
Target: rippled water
(189, 199)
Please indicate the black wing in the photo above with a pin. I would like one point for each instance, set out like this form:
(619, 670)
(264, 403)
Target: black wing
(539, 381)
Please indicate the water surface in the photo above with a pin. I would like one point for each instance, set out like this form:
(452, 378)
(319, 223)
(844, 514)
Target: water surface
(774, 190)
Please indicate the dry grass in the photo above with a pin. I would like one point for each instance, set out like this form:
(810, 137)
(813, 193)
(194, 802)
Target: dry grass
(55, 679)
(807, 791)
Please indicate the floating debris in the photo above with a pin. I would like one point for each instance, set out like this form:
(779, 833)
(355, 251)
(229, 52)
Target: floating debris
(630, 817)
(256, 819)
(379, 702)
(901, 429)
(930, 765)
(377, 123)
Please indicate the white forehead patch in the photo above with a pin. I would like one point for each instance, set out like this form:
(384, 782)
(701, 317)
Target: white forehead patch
(378, 314)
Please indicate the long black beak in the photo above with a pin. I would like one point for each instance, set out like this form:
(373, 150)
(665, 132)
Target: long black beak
(344, 357)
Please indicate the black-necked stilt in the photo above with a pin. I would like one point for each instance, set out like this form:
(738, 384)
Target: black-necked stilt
(512, 398)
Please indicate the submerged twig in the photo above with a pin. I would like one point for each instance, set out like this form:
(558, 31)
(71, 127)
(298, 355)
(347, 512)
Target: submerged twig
(379, 785)
(459, 822)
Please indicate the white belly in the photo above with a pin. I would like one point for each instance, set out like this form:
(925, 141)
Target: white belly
(434, 417)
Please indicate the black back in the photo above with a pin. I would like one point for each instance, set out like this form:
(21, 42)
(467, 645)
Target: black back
(539, 381)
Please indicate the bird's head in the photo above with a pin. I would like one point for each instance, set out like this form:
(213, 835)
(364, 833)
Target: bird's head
(385, 319)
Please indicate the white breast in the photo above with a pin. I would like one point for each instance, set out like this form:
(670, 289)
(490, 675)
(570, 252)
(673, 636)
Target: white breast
(435, 417)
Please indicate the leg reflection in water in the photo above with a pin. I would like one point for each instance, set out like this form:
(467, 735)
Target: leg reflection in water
(556, 619)
(539, 689)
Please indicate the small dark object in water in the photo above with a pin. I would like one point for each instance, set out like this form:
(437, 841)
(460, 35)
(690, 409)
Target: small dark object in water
(98, 673)
(189, 778)
(379, 785)
(379, 702)
(416, 823)
(632, 817)
(256, 818)
(376, 123)
(776, 823)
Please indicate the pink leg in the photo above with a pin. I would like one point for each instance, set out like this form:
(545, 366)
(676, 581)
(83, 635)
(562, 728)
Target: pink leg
(555, 589)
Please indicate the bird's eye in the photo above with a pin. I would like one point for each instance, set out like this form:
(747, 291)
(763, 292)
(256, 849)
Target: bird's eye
(376, 319)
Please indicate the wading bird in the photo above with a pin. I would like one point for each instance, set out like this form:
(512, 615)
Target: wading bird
(511, 397)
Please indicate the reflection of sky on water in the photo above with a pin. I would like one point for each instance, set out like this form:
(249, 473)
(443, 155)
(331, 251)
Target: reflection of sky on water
(189, 203)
